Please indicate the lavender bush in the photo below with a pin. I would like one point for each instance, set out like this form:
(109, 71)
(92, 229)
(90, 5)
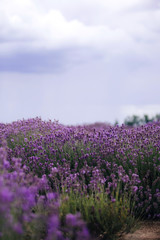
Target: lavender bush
(26, 213)
(110, 175)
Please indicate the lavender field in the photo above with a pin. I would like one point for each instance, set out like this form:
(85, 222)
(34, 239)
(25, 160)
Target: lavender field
(83, 182)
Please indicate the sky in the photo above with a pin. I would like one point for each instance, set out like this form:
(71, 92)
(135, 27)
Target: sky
(79, 62)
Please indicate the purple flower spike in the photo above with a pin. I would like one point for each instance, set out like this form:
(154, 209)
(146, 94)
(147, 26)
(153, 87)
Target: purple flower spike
(134, 189)
(71, 220)
(18, 228)
(53, 225)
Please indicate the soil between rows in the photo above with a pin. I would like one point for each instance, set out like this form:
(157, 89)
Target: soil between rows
(146, 230)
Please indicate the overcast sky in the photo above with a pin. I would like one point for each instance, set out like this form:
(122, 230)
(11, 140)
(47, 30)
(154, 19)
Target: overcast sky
(79, 61)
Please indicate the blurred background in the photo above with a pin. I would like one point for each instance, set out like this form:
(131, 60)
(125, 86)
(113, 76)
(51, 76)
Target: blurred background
(79, 61)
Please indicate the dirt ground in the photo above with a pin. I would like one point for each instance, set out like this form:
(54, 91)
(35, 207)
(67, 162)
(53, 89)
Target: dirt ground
(147, 230)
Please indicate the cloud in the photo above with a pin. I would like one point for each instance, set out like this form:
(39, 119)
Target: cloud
(32, 29)
(37, 32)
(97, 90)
(25, 23)
(46, 61)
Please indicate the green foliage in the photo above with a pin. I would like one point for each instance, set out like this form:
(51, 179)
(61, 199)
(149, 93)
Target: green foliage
(104, 217)
(135, 120)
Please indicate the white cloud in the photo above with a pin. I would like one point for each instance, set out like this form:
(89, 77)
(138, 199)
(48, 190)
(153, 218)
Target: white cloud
(23, 22)
(28, 25)
(101, 55)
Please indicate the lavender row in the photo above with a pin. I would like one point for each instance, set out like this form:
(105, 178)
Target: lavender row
(85, 159)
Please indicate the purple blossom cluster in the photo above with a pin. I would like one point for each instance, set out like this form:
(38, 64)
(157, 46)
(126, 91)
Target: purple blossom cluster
(88, 159)
(28, 202)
